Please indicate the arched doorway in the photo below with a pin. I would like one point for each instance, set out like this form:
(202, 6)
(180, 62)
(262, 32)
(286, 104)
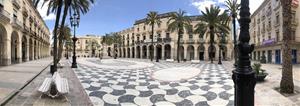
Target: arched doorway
(144, 54)
(201, 49)
(138, 51)
(133, 52)
(3, 35)
(168, 51)
(30, 49)
(212, 51)
(181, 53)
(128, 52)
(24, 48)
(190, 51)
(158, 51)
(14, 47)
(120, 52)
(108, 51)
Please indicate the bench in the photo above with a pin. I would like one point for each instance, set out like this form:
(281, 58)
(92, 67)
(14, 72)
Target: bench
(195, 61)
(169, 60)
(61, 85)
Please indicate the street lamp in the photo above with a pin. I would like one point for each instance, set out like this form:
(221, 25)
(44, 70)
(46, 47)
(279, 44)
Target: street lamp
(243, 76)
(74, 20)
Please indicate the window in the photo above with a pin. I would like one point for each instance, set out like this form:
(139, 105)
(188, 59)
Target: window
(190, 36)
(144, 27)
(144, 37)
(293, 35)
(277, 36)
(138, 29)
(277, 19)
(167, 35)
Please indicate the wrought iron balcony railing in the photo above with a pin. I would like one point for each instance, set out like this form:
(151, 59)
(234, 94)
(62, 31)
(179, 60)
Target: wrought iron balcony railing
(4, 16)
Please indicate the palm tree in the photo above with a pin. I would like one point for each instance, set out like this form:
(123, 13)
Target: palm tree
(180, 23)
(233, 7)
(93, 45)
(212, 20)
(152, 19)
(65, 36)
(286, 83)
(78, 6)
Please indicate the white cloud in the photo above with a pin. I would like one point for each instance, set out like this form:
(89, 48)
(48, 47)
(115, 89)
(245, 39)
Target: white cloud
(201, 4)
(43, 11)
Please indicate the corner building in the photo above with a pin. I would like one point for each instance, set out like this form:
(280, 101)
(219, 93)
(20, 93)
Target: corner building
(23, 34)
(136, 42)
(266, 32)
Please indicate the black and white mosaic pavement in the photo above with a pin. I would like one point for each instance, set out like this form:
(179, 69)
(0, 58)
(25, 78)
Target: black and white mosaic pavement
(130, 87)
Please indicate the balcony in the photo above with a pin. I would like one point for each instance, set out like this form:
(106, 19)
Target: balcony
(25, 12)
(201, 40)
(16, 3)
(190, 41)
(25, 29)
(159, 40)
(295, 23)
(16, 23)
(167, 40)
(4, 16)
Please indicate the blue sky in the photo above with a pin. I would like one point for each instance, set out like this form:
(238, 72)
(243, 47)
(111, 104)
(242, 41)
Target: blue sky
(107, 16)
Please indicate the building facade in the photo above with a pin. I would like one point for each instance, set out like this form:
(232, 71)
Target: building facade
(136, 43)
(23, 34)
(266, 32)
(88, 46)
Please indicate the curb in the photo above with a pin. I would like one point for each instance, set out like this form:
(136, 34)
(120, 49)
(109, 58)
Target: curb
(15, 92)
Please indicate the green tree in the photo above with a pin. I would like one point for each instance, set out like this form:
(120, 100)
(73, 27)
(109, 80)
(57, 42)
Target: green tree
(179, 22)
(152, 19)
(286, 83)
(233, 7)
(212, 20)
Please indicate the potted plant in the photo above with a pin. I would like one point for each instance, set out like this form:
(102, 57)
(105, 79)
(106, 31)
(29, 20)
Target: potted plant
(259, 73)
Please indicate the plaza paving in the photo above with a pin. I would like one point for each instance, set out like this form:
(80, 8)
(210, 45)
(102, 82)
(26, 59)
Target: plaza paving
(141, 82)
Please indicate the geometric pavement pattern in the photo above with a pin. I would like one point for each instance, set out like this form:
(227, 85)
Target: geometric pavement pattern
(130, 87)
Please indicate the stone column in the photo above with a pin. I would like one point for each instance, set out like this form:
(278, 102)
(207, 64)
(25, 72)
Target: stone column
(6, 60)
(148, 52)
(206, 53)
(163, 52)
(185, 51)
(173, 52)
(27, 50)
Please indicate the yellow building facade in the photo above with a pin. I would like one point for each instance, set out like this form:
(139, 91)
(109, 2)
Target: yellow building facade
(24, 35)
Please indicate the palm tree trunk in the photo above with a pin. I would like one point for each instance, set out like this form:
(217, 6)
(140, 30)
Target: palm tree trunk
(62, 25)
(178, 45)
(286, 83)
(55, 36)
(211, 43)
(151, 52)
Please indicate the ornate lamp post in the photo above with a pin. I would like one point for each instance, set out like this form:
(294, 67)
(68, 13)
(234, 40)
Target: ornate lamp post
(243, 76)
(74, 20)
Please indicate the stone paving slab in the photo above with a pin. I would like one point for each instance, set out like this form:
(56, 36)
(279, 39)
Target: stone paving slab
(15, 76)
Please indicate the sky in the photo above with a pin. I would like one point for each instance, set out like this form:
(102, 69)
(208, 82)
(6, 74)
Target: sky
(107, 16)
